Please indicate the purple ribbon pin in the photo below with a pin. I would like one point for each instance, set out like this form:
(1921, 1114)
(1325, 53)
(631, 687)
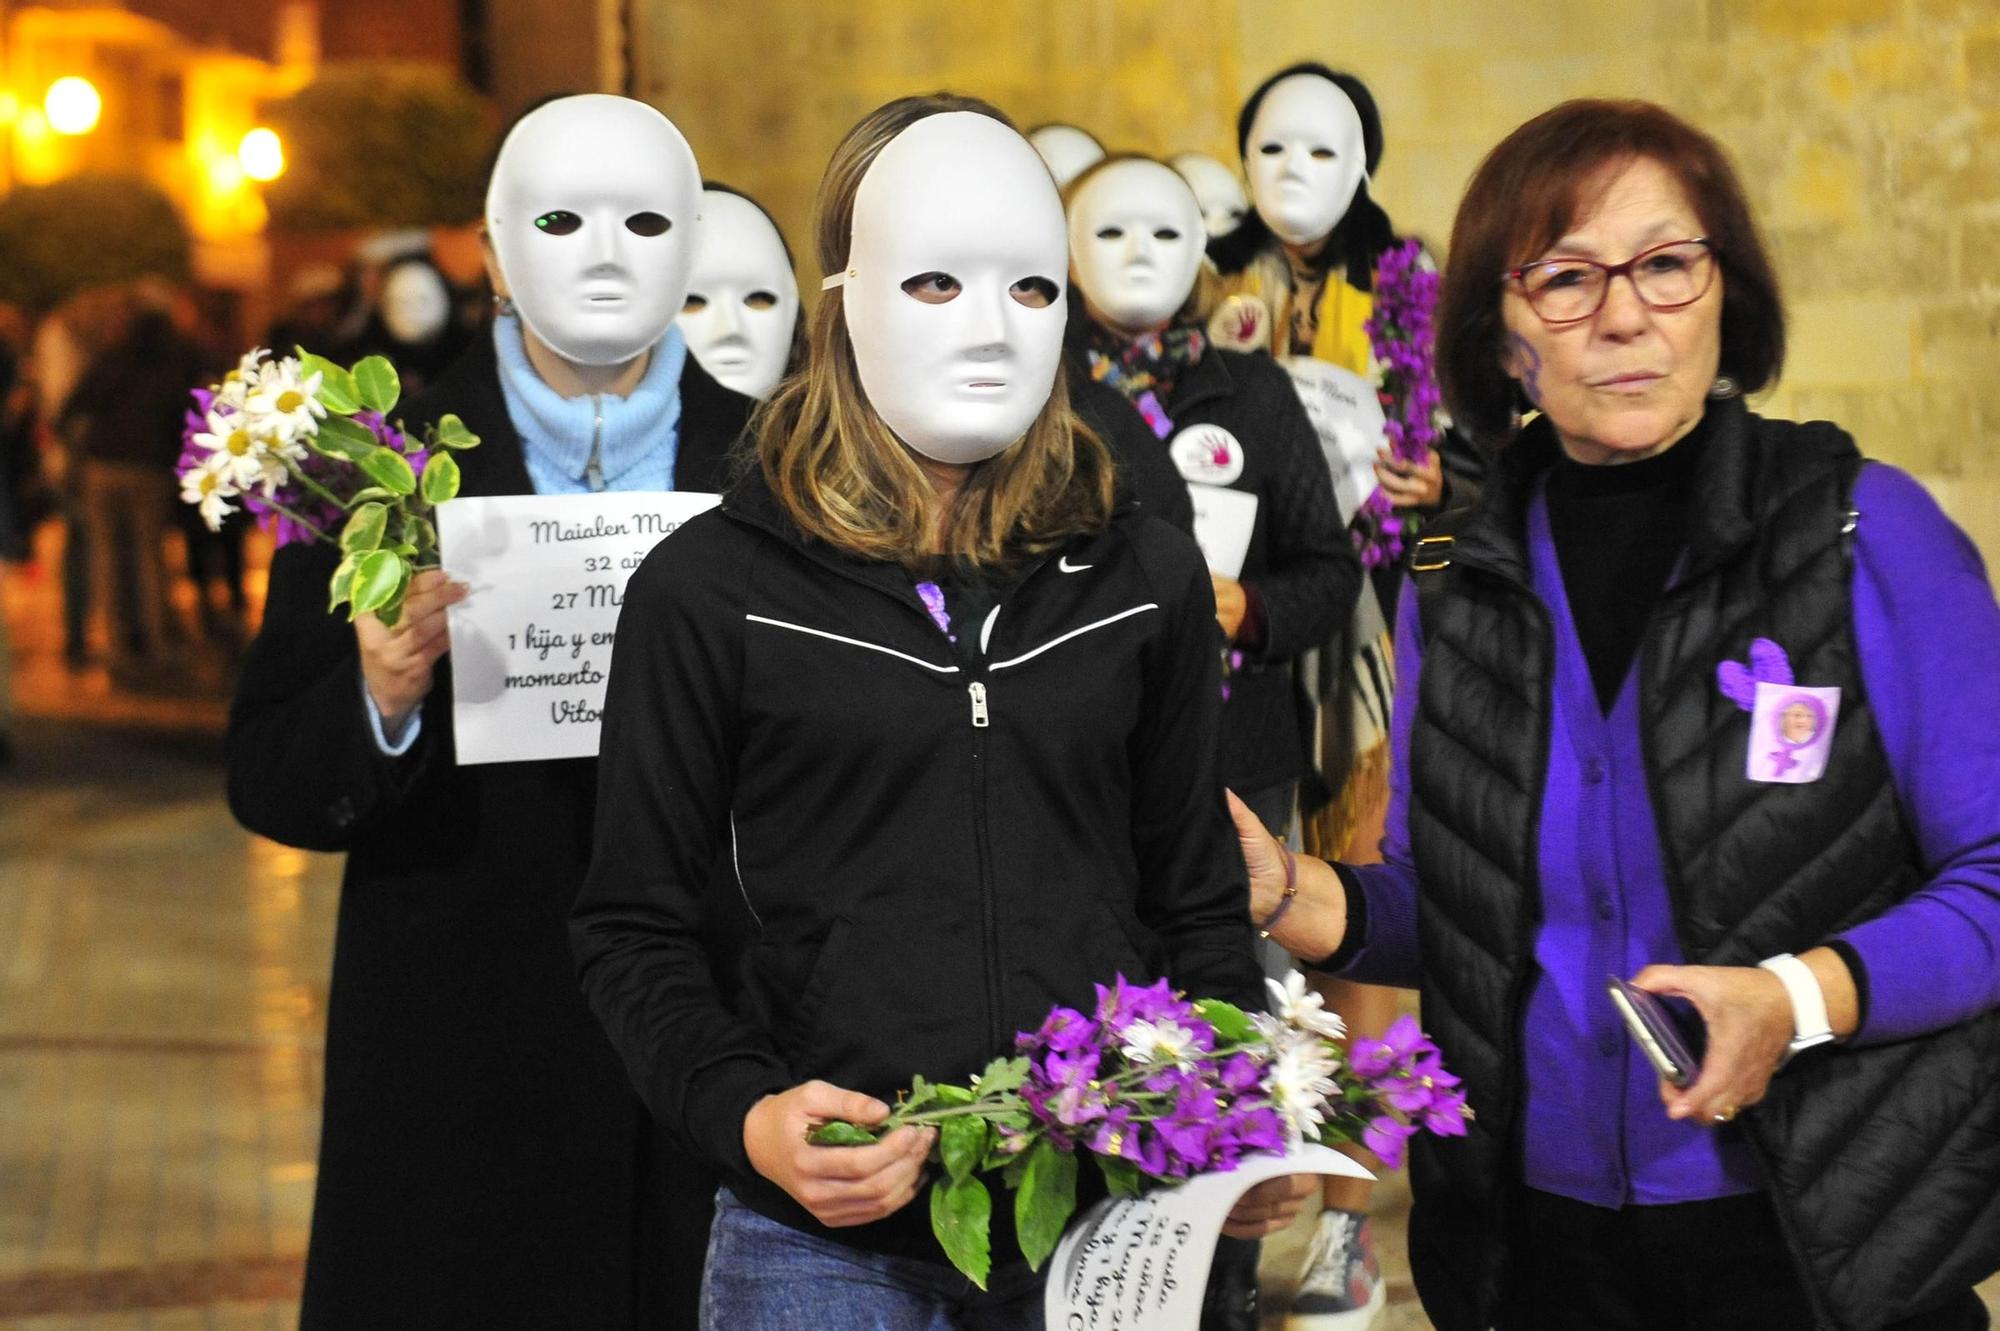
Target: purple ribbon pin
(1768, 665)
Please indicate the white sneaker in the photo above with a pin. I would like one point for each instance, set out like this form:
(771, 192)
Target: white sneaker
(1341, 1286)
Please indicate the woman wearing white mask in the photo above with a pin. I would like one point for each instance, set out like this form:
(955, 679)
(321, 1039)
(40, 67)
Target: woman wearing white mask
(484, 1161)
(951, 712)
(1300, 271)
(1230, 422)
(741, 318)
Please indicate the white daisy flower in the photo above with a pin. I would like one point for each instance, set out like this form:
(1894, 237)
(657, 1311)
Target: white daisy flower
(1299, 1080)
(244, 457)
(1158, 1042)
(1297, 1005)
(284, 405)
(208, 486)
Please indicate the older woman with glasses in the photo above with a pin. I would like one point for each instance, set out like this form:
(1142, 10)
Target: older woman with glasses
(1705, 700)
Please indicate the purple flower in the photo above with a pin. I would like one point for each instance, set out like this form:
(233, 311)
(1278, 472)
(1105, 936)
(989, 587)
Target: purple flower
(1063, 1030)
(1385, 1136)
(1373, 1060)
(1241, 1073)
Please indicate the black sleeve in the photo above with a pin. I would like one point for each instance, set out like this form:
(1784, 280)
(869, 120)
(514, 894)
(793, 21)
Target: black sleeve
(1194, 892)
(303, 765)
(666, 770)
(1312, 573)
(1145, 470)
(1464, 471)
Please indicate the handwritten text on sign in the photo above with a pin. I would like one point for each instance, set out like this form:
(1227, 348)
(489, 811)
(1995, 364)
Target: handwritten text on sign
(1141, 1263)
(531, 643)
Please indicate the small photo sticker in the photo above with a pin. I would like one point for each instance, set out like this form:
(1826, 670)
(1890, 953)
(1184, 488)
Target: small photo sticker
(1791, 733)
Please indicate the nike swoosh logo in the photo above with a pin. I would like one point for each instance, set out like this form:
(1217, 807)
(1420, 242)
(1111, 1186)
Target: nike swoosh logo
(1064, 566)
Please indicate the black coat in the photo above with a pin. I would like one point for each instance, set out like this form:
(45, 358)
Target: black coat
(1300, 565)
(938, 845)
(484, 1161)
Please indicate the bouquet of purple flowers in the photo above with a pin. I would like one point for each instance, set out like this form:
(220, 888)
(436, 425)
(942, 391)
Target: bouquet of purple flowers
(308, 448)
(1156, 1087)
(1404, 341)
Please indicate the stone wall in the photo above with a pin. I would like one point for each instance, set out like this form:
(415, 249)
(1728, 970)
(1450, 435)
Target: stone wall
(1868, 132)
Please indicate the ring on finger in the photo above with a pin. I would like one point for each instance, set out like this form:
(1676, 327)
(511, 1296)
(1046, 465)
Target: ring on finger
(1726, 1115)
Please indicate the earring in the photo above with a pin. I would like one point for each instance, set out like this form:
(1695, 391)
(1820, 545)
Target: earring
(1723, 387)
(504, 306)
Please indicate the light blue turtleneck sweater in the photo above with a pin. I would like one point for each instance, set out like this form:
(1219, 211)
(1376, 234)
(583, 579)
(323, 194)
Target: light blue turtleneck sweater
(632, 440)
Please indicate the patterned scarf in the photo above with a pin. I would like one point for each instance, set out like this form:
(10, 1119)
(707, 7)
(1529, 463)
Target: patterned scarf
(1146, 369)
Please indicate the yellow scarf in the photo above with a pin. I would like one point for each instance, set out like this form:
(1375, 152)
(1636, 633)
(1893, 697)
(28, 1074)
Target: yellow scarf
(1341, 337)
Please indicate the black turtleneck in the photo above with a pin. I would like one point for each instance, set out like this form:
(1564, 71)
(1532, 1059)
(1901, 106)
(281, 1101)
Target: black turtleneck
(1618, 530)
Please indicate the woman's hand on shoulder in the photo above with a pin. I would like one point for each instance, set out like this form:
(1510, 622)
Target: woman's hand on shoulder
(397, 663)
(840, 1185)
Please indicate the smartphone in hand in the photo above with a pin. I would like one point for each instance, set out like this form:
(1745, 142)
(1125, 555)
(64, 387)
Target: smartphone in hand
(1655, 1032)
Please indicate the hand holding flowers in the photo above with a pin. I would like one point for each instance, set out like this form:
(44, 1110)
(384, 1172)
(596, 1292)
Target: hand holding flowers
(1154, 1088)
(309, 447)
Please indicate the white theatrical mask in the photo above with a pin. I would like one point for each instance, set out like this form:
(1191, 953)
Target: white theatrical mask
(1135, 243)
(592, 212)
(415, 303)
(953, 291)
(1216, 188)
(1305, 157)
(743, 299)
(1068, 151)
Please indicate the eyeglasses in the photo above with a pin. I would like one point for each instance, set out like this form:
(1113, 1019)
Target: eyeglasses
(1567, 291)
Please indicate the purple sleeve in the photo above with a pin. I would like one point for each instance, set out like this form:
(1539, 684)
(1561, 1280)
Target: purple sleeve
(1928, 635)
(1389, 954)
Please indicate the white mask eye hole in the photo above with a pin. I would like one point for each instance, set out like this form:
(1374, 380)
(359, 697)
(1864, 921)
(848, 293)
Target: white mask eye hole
(559, 222)
(761, 300)
(1272, 149)
(648, 224)
(1036, 293)
(1111, 233)
(1324, 154)
(695, 304)
(932, 288)
(1166, 233)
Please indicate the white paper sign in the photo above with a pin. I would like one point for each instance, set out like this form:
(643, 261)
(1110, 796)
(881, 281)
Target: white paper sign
(531, 642)
(1223, 521)
(1141, 1263)
(1348, 417)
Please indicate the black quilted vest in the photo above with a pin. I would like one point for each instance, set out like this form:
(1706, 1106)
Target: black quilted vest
(1884, 1162)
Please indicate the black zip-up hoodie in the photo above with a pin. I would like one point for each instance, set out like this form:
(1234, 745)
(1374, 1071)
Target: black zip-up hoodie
(937, 846)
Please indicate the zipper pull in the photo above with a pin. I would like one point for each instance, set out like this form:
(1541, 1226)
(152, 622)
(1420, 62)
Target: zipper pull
(980, 717)
(593, 471)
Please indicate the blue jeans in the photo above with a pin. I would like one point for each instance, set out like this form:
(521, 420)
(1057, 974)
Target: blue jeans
(764, 1276)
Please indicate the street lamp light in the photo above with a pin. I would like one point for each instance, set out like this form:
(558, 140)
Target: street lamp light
(262, 154)
(73, 105)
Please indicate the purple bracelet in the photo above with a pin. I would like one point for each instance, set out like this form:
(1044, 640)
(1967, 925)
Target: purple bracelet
(1291, 891)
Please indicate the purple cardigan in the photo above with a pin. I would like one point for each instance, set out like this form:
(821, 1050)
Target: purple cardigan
(1928, 635)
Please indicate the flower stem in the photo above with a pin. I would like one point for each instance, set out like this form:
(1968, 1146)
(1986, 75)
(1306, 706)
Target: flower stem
(299, 474)
(307, 523)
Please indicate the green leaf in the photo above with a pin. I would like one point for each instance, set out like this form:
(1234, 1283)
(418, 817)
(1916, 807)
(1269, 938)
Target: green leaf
(1003, 1074)
(962, 1142)
(336, 386)
(390, 470)
(838, 1133)
(954, 1095)
(1122, 1176)
(372, 492)
(364, 529)
(422, 534)
(340, 437)
(450, 432)
(1229, 1021)
(343, 582)
(1046, 1201)
(379, 582)
(440, 479)
(376, 378)
(961, 1217)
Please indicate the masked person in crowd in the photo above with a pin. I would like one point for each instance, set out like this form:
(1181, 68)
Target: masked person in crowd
(1673, 714)
(1238, 435)
(742, 319)
(1300, 272)
(950, 709)
(414, 322)
(484, 1161)
(1216, 188)
(1066, 150)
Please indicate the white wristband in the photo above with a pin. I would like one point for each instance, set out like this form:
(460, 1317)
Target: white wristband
(1809, 1021)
